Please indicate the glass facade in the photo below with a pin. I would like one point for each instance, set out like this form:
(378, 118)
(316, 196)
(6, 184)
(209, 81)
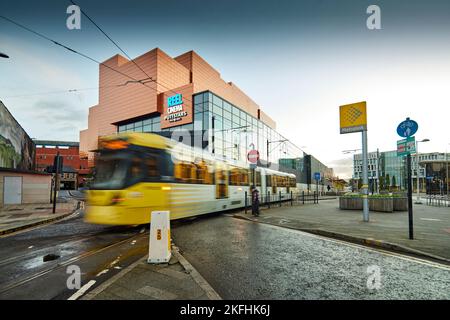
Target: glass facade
(227, 131)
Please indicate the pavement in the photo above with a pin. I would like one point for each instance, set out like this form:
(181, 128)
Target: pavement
(19, 217)
(176, 280)
(246, 260)
(385, 230)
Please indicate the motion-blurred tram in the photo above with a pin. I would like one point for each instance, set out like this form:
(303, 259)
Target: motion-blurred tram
(137, 173)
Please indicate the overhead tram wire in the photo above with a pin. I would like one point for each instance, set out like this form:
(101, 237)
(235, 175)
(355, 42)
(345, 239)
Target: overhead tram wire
(142, 81)
(68, 90)
(123, 51)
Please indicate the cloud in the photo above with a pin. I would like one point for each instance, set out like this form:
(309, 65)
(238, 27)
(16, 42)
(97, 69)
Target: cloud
(342, 167)
(52, 119)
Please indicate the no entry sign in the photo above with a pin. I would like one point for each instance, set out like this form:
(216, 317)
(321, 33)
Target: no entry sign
(253, 156)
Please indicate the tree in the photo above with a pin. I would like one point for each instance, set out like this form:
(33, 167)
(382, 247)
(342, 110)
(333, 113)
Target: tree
(388, 181)
(382, 185)
(360, 182)
(394, 182)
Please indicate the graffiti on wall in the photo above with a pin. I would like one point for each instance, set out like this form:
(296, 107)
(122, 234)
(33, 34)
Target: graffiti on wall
(17, 150)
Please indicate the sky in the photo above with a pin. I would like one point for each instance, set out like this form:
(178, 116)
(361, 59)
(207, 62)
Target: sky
(299, 60)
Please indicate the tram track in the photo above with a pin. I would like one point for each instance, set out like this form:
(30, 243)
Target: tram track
(27, 279)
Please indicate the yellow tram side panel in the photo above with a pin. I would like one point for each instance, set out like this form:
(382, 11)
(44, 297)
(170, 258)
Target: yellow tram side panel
(135, 207)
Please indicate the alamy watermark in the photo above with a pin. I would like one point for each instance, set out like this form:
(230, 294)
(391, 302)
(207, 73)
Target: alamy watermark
(374, 20)
(74, 20)
(74, 279)
(374, 278)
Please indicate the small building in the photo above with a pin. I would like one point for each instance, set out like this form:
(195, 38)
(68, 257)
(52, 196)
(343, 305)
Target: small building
(75, 166)
(20, 183)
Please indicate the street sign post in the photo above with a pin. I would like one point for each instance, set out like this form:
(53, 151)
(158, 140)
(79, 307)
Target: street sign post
(253, 157)
(317, 178)
(407, 128)
(407, 146)
(353, 118)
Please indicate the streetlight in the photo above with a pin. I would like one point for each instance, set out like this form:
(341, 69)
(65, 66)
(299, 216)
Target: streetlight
(2, 55)
(417, 169)
(446, 165)
(268, 143)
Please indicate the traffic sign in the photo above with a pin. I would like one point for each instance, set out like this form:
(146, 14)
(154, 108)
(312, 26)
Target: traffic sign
(406, 146)
(317, 176)
(407, 128)
(253, 156)
(353, 117)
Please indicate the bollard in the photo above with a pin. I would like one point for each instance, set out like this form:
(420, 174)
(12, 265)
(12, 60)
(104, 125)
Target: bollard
(245, 201)
(279, 198)
(303, 197)
(268, 194)
(159, 249)
(292, 200)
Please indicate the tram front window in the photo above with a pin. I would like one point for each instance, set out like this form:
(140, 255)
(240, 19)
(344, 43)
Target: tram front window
(118, 171)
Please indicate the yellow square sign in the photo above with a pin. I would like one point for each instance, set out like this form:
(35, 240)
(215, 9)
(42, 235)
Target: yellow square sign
(353, 117)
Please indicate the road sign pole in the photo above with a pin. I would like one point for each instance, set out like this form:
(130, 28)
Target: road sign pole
(410, 203)
(365, 187)
(56, 187)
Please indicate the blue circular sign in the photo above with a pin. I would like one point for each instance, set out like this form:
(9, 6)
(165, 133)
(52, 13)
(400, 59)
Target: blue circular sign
(407, 128)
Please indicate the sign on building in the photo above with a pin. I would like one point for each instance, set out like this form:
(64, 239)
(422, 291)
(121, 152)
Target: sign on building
(175, 107)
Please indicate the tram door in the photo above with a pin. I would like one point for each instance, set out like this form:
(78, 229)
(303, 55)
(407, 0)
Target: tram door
(221, 177)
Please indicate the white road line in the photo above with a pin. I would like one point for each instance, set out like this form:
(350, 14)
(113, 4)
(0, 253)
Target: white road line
(82, 290)
(430, 219)
(102, 272)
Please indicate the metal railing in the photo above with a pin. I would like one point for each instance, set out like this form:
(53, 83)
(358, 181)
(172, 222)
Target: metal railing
(269, 200)
(437, 201)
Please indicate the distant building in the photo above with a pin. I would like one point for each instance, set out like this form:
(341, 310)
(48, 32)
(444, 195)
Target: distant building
(305, 168)
(75, 167)
(387, 168)
(19, 182)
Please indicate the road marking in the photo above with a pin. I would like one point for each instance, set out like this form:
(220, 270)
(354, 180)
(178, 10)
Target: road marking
(430, 219)
(82, 290)
(102, 272)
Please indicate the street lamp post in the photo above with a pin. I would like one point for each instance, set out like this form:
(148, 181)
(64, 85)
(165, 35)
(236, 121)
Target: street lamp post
(417, 170)
(267, 147)
(446, 167)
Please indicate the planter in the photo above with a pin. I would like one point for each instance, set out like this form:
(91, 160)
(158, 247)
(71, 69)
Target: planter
(350, 203)
(381, 204)
(375, 204)
(400, 204)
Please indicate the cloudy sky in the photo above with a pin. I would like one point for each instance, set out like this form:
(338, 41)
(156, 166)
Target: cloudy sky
(299, 60)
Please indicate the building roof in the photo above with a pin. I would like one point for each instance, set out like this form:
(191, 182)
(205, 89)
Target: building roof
(57, 143)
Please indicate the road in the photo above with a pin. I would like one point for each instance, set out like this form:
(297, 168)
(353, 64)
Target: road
(99, 251)
(239, 258)
(248, 260)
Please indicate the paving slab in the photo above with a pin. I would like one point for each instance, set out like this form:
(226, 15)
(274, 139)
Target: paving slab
(19, 217)
(388, 230)
(176, 280)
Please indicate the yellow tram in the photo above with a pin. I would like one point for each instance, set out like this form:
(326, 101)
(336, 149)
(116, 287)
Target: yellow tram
(137, 173)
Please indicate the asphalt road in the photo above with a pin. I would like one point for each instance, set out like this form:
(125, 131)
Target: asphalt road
(248, 260)
(99, 251)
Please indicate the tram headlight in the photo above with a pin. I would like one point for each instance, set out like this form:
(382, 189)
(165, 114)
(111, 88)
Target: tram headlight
(117, 199)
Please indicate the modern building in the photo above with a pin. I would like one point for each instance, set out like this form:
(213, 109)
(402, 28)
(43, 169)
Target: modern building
(19, 182)
(389, 169)
(305, 168)
(185, 93)
(75, 167)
